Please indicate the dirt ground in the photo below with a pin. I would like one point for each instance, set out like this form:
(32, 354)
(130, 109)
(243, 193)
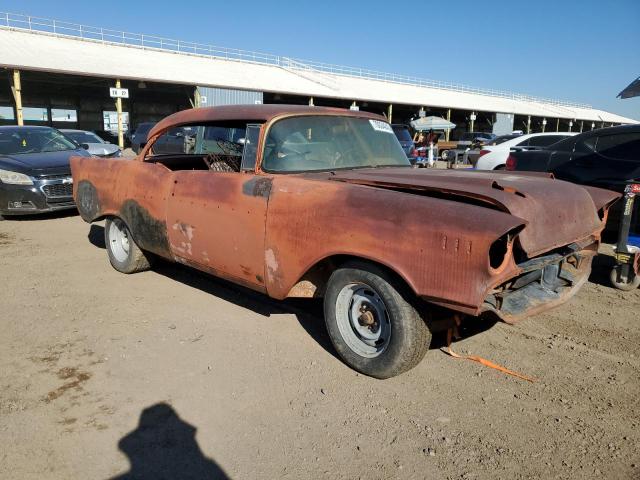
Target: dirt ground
(173, 374)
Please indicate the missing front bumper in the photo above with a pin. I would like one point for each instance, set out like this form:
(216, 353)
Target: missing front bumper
(543, 283)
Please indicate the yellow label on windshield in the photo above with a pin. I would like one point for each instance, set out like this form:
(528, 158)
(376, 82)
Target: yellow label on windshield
(24, 142)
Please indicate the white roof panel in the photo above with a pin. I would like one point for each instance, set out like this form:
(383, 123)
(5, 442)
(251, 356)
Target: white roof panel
(56, 53)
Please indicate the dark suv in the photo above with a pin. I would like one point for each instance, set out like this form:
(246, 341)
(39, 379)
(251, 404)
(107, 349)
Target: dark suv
(139, 136)
(403, 133)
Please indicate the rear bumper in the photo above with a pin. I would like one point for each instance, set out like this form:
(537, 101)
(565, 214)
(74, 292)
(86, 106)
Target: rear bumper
(542, 283)
(43, 196)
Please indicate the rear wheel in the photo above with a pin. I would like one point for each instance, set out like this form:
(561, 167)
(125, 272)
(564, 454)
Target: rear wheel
(627, 282)
(444, 155)
(500, 167)
(371, 325)
(124, 255)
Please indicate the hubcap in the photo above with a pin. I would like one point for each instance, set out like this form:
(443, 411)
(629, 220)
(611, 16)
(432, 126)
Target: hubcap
(119, 240)
(363, 320)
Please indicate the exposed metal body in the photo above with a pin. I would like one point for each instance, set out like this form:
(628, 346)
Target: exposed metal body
(439, 231)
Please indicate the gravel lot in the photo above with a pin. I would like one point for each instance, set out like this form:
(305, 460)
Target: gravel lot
(173, 374)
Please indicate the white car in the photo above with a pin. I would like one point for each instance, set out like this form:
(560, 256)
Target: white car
(494, 155)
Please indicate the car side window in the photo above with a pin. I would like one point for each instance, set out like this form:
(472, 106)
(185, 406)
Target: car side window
(218, 147)
(622, 146)
(586, 145)
(250, 150)
(523, 143)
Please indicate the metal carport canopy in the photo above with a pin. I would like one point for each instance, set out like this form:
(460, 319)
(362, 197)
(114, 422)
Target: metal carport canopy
(57, 53)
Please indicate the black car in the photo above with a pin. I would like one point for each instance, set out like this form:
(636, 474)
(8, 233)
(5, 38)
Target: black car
(139, 136)
(606, 158)
(35, 175)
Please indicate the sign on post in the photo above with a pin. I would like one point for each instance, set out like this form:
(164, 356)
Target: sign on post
(119, 92)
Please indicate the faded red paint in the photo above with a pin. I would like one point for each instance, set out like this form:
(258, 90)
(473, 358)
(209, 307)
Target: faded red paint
(267, 231)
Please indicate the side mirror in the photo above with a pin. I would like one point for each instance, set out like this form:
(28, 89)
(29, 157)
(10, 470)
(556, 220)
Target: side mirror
(85, 146)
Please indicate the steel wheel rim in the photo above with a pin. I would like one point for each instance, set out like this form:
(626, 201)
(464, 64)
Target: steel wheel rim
(119, 240)
(363, 320)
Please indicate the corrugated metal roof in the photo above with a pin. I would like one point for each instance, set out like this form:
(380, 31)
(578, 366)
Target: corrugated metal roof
(58, 53)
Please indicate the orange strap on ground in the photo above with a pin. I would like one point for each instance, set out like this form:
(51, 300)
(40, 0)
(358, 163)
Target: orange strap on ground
(483, 361)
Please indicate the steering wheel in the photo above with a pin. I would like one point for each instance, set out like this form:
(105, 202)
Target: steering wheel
(341, 155)
(293, 150)
(229, 148)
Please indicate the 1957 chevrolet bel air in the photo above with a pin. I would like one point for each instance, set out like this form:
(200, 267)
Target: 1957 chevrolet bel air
(299, 201)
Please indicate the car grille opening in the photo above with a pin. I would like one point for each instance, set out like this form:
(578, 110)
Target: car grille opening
(58, 190)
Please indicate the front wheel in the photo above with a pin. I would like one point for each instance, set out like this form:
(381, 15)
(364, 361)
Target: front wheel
(124, 254)
(626, 283)
(371, 325)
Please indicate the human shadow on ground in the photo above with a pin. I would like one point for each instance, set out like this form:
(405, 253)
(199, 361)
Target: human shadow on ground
(163, 446)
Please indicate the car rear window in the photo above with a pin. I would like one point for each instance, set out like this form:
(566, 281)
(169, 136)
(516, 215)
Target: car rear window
(545, 140)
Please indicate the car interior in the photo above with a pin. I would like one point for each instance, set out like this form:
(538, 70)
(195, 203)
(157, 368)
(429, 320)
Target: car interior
(217, 147)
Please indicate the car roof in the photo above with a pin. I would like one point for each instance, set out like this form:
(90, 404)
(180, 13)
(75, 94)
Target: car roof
(25, 127)
(259, 113)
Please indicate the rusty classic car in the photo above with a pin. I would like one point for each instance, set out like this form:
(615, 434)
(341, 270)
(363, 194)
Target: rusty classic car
(299, 201)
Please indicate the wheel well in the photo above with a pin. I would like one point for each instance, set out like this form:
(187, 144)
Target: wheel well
(313, 283)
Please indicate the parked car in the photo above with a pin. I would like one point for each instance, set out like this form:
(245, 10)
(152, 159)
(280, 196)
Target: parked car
(112, 137)
(494, 157)
(403, 133)
(35, 175)
(474, 139)
(297, 201)
(92, 143)
(469, 141)
(600, 157)
(605, 158)
(139, 136)
(176, 140)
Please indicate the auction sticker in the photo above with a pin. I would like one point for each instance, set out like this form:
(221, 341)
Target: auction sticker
(381, 126)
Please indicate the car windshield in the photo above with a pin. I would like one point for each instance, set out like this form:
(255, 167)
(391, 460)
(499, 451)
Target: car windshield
(502, 139)
(328, 142)
(402, 133)
(83, 137)
(20, 140)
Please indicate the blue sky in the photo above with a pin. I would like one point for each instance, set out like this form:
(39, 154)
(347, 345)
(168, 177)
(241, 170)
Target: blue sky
(585, 51)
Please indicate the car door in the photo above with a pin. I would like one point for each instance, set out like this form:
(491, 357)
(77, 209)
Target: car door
(216, 219)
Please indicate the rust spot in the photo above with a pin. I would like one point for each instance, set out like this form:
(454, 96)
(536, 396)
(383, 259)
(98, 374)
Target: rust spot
(148, 232)
(87, 201)
(257, 187)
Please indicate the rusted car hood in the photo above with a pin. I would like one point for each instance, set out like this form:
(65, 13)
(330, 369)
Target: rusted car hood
(556, 213)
